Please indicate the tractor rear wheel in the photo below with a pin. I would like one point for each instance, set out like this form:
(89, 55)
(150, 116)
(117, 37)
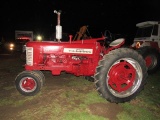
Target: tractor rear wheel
(120, 75)
(152, 58)
(28, 83)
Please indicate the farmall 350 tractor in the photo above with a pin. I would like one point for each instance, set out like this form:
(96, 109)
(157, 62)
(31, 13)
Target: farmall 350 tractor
(147, 43)
(119, 73)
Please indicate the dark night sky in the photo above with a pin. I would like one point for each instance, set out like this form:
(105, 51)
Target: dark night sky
(118, 16)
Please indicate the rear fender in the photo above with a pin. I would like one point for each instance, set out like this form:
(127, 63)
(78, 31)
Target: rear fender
(115, 44)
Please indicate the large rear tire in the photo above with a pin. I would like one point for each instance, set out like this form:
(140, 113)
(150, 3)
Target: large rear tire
(151, 57)
(120, 75)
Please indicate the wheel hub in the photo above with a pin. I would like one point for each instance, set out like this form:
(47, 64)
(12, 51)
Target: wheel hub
(28, 84)
(122, 76)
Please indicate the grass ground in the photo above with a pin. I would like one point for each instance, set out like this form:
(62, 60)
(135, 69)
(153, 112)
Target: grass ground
(67, 97)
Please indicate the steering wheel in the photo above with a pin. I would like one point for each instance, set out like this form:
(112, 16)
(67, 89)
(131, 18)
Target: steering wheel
(108, 36)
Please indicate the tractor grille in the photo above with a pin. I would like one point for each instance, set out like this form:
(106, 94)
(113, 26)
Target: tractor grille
(29, 56)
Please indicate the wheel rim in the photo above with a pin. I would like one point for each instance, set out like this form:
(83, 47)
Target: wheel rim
(28, 84)
(151, 61)
(124, 77)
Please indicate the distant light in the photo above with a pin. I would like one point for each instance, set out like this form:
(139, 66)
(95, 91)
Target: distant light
(39, 38)
(11, 45)
(11, 48)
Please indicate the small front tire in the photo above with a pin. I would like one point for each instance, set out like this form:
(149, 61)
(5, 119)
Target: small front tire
(41, 75)
(28, 83)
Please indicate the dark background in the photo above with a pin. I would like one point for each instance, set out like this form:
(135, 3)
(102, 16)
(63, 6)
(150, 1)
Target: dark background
(118, 16)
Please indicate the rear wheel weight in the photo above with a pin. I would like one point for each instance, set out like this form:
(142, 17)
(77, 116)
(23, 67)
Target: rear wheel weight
(121, 76)
(28, 83)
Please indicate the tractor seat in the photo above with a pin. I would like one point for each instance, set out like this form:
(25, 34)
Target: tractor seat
(117, 42)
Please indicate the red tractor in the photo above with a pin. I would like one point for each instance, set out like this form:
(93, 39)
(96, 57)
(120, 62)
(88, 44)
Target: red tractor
(119, 73)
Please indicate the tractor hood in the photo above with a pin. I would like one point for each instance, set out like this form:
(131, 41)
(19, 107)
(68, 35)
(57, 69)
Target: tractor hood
(76, 47)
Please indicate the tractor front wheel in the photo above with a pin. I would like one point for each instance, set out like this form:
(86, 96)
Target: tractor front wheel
(28, 83)
(41, 75)
(120, 75)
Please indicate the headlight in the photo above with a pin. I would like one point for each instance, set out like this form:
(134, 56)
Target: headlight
(11, 46)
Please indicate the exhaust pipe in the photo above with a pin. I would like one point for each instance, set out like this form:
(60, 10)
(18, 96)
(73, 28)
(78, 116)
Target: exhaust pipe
(58, 26)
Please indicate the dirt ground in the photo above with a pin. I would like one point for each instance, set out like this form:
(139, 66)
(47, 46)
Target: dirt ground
(10, 66)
